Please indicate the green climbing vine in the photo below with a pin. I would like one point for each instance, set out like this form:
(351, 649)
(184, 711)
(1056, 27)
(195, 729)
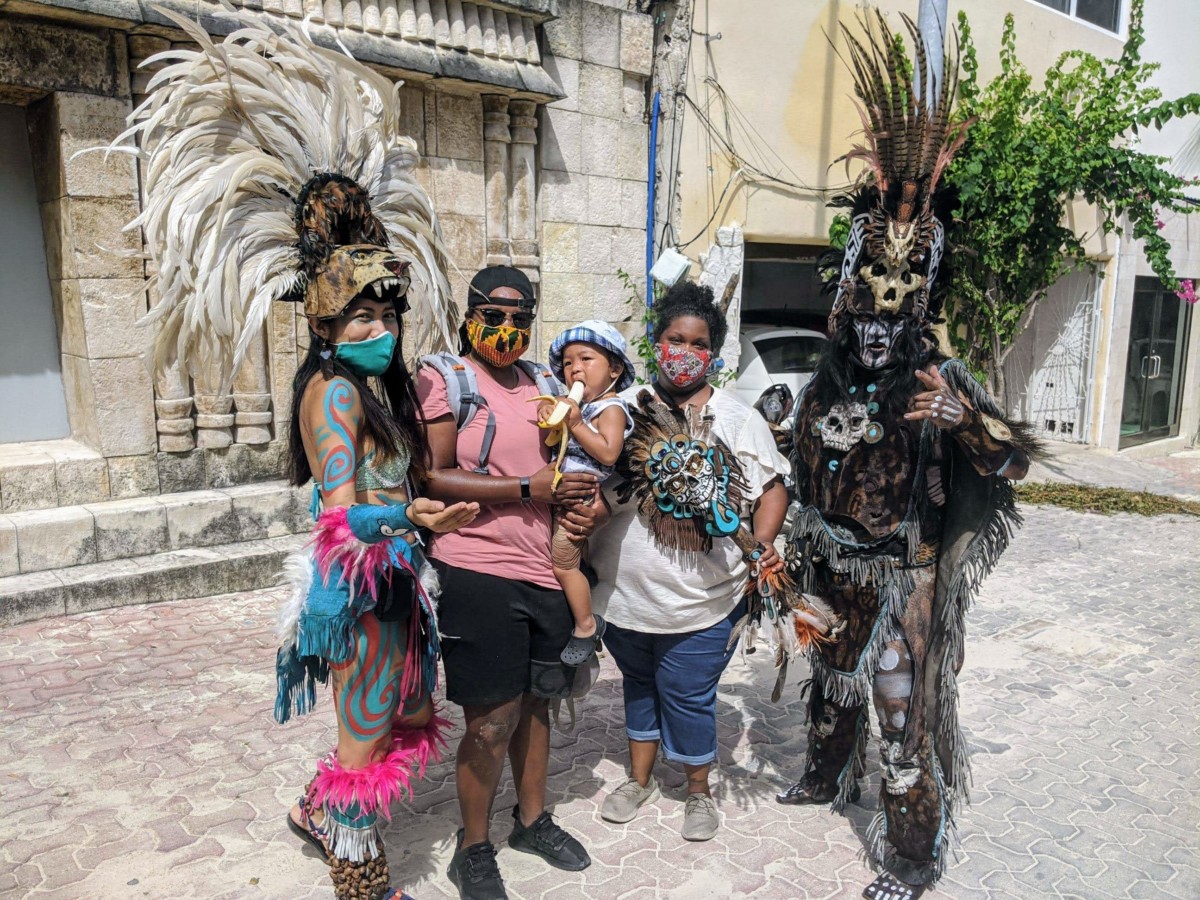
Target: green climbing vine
(1029, 154)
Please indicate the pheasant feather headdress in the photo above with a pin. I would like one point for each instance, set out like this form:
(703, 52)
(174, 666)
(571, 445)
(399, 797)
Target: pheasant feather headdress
(275, 170)
(897, 236)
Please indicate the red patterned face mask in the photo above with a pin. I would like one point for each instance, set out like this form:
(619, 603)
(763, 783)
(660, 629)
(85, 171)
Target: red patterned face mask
(681, 366)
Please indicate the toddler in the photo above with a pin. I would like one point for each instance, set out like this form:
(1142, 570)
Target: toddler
(592, 353)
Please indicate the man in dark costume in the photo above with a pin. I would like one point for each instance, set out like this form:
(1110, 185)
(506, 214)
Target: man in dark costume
(903, 466)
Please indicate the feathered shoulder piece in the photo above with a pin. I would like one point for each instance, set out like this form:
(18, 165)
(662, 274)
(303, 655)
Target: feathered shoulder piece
(688, 485)
(690, 488)
(897, 237)
(275, 170)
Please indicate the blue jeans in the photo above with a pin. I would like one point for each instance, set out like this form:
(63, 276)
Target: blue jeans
(670, 686)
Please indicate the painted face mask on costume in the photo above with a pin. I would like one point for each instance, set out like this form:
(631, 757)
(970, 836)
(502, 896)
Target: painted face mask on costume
(680, 366)
(369, 357)
(497, 345)
(875, 340)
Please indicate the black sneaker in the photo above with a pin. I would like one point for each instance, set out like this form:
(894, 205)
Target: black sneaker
(549, 841)
(474, 872)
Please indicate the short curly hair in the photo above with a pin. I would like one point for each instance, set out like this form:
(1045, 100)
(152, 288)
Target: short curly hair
(686, 298)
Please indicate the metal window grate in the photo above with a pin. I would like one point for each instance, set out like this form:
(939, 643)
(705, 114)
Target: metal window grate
(1052, 364)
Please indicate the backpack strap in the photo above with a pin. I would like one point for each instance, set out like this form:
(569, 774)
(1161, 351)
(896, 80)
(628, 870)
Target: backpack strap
(464, 399)
(542, 377)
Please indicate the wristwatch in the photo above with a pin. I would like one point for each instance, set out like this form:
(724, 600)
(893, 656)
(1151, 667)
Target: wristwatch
(526, 496)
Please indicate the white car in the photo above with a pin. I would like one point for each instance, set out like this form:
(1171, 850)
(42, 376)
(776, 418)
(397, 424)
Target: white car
(772, 354)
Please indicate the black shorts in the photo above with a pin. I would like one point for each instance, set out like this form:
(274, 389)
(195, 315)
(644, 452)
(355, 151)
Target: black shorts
(501, 638)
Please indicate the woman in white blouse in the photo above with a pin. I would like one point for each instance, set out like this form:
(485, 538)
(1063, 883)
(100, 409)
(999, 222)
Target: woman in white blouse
(670, 614)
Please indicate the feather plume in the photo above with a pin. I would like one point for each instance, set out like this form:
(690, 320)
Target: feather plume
(908, 136)
(230, 134)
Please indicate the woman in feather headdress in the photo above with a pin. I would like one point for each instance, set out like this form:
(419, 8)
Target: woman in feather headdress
(275, 171)
(903, 466)
(702, 465)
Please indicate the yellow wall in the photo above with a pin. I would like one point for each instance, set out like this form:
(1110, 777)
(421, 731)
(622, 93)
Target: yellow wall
(781, 75)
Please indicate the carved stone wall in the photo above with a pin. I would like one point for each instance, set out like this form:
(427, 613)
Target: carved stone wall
(477, 28)
(592, 179)
(557, 191)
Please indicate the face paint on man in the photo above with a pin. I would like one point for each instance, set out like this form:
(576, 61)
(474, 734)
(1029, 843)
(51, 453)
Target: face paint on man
(875, 338)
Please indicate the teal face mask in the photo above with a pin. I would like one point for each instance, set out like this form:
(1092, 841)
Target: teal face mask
(369, 357)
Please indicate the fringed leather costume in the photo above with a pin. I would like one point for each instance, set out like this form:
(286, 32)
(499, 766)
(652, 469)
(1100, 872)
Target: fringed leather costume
(275, 170)
(901, 518)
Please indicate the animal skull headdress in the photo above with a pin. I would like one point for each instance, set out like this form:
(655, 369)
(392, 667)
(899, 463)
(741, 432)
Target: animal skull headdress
(275, 170)
(896, 242)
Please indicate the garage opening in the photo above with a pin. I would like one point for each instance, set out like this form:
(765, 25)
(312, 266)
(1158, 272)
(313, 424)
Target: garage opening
(780, 286)
(33, 406)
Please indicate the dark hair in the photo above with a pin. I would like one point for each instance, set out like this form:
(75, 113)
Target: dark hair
(836, 370)
(686, 298)
(393, 423)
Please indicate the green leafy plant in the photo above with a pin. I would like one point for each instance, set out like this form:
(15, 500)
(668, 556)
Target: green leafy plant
(839, 233)
(1029, 154)
(646, 316)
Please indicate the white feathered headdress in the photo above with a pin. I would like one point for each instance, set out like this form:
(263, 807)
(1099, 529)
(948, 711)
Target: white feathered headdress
(264, 154)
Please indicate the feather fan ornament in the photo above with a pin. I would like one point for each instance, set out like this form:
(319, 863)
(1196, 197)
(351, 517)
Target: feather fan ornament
(265, 155)
(899, 207)
(690, 489)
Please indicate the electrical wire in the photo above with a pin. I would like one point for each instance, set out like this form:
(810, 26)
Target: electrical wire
(759, 173)
(737, 130)
(716, 209)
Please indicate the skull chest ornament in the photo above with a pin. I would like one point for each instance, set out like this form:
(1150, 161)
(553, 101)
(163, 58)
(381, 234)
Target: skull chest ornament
(845, 425)
(690, 479)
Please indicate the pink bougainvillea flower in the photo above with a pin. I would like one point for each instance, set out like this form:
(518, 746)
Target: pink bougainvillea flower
(1187, 291)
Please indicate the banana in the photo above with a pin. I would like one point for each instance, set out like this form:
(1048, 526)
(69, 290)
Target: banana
(556, 426)
(561, 409)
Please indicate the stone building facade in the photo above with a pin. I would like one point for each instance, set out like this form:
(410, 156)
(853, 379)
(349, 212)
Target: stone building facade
(531, 119)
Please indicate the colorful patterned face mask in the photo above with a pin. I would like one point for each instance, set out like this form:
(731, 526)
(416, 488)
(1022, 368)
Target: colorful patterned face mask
(680, 366)
(497, 345)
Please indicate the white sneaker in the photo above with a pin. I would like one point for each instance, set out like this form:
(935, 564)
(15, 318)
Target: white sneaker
(700, 818)
(622, 804)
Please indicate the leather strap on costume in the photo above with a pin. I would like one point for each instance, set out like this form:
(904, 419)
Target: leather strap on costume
(988, 454)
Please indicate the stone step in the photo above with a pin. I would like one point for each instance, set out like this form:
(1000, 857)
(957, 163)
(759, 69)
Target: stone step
(54, 540)
(170, 575)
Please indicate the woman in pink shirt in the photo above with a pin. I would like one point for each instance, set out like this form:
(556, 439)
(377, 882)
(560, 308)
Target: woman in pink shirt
(503, 617)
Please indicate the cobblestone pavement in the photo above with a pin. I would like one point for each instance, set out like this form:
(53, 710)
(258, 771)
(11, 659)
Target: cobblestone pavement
(138, 758)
